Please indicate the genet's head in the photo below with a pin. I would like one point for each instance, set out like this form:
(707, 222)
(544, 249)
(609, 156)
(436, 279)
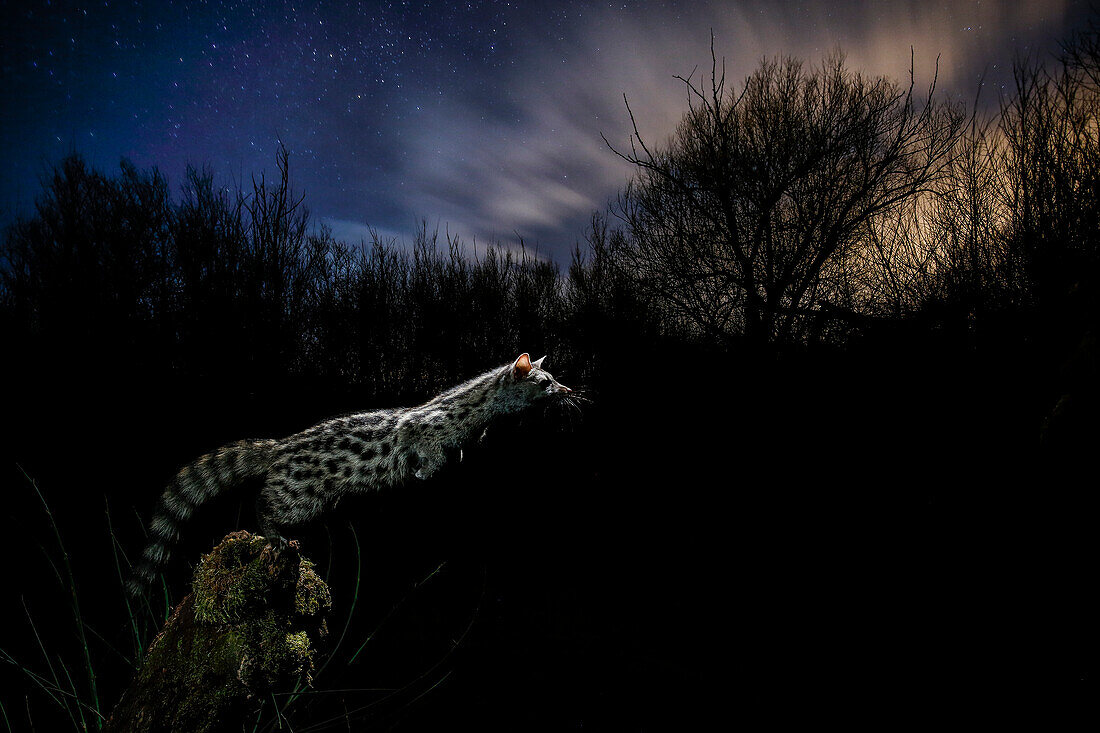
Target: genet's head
(525, 382)
(531, 375)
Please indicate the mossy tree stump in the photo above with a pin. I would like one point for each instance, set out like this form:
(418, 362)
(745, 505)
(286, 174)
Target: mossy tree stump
(250, 627)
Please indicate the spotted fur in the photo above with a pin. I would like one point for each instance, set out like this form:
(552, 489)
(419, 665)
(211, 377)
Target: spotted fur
(307, 473)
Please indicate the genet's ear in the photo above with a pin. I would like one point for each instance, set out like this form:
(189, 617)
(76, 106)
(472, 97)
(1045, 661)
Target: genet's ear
(538, 362)
(522, 367)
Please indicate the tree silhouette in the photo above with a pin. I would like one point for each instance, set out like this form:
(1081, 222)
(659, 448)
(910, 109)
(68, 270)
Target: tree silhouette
(745, 221)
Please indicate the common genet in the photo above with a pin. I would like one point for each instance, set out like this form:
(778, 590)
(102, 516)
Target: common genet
(307, 473)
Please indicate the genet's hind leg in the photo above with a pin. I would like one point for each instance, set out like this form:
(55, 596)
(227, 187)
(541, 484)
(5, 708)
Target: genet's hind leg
(267, 513)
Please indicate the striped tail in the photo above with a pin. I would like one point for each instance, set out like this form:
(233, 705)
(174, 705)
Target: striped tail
(197, 483)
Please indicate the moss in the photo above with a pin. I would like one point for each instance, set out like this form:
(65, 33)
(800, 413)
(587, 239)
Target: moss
(245, 578)
(233, 578)
(251, 625)
(300, 649)
(312, 597)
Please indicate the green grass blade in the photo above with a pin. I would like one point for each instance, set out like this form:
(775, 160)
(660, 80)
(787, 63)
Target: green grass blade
(354, 599)
(116, 550)
(42, 682)
(129, 662)
(74, 599)
(45, 655)
(395, 608)
(72, 687)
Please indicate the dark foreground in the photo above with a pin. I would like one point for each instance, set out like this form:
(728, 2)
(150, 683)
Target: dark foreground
(811, 538)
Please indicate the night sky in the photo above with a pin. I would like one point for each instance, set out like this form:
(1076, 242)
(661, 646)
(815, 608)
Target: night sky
(480, 117)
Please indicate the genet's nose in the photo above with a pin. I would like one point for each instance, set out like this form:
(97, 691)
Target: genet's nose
(563, 388)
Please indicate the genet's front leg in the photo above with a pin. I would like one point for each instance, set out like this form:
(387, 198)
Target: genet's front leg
(430, 461)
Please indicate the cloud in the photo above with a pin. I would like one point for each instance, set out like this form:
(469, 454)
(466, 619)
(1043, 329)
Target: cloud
(527, 156)
(354, 232)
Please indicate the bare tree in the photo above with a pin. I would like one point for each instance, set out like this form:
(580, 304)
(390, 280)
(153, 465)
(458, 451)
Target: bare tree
(945, 247)
(744, 220)
(1051, 126)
